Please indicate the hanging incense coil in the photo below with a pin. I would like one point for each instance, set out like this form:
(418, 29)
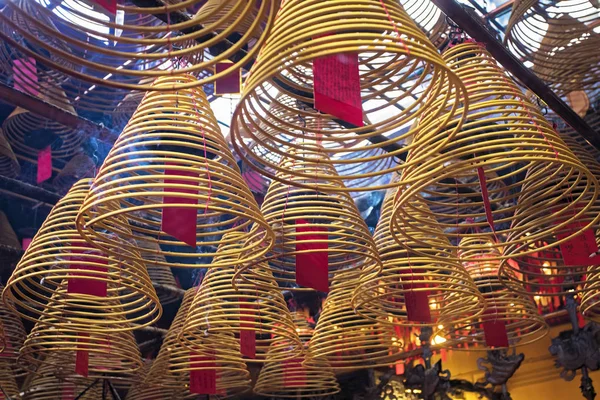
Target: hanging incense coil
(79, 167)
(161, 276)
(326, 218)
(8, 237)
(9, 165)
(58, 254)
(428, 278)
(113, 57)
(172, 159)
(13, 335)
(303, 328)
(506, 311)
(286, 124)
(429, 18)
(347, 340)
(559, 40)
(254, 307)
(218, 351)
(7, 381)
(531, 177)
(143, 390)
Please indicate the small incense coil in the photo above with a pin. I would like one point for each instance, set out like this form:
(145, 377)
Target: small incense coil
(8, 237)
(517, 312)
(398, 51)
(79, 167)
(173, 365)
(323, 210)
(429, 18)
(160, 275)
(411, 268)
(9, 165)
(13, 335)
(7, 381)
(559, 40)
(49, 261)
(348, 340)
(255, 305)
(504, 137)
(174, 132)
(303, 328)
(113, 58)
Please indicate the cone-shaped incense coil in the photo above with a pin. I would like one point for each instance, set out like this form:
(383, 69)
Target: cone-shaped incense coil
(8, 236)
(173, 177)
(559, 40)
(161, 275)
(354, 56)
(79, 167)
(13, 334)
(348, 340)
(503, 137)
(419, 285)
(429, 18)
(318, 231)
(509, 318)
(144, 390)
(58, 253)
(250, 309)
(305, 331)
(217, 356)
(122, 64)
(7, 381)
(9, 166)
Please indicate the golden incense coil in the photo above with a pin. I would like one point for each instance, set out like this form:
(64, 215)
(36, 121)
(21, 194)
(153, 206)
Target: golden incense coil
(142, 390)
(429, 18)
(160, 275)
(13, 335)
(172, 159)
(95, 280)
(9, 165)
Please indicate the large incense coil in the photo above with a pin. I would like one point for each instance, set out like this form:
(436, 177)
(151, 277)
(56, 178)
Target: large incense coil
(506, 138)
(391, 49)
(7, 381)
(172, 367)
(48, 263)
(348, 244)
(255, 305)
(13, 335)
(121, 64)
(517, 312)
(429, 18)
(347, 340)
(410, 268)
(559, 40)
(9, 165)
(176, 132)
(160, 275)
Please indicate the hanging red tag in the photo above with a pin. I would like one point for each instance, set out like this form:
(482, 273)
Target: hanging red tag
(82, 356)
(25, 77)
(230, 83)
(203, 381)
(494, 329)
(77, 283)
(444, 355)
(25, 243)
(180, 222)
(44, 165)
(417, 301)
(248, 335)
(400, 368)
(108, 5)
(68, 391)
(337, 87)
(577, 250)
(312, 269)
(293, 373)
(580, 320)
(486, 198)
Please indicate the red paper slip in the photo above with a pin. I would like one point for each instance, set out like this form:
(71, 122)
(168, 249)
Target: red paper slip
(44, 165)
(108, 5)
(82, 356)
(486, 198)
(248, 335)
(25, 75)
(180, 222)
(417, 301)
(337, 87)
(494, 329)
(77, 283)
(293, 373)
(577, 250)
(312, 269)
(25, 243)
(203, 381)
(231, 83)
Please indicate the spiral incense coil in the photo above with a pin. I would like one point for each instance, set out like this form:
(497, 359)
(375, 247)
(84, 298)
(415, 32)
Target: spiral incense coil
(297, 214)
(8, 236)
(517, 313)
(429, 18)
(559, 40)
(303, 328)
(161, 276)
(9, 165)
(275, 114)
(83, 282)
(7, 381)
(13, 334)
(428, 276)
(172, 159)
(79, 167)
(255, 306)
(535, 185)
(348, 340)
(112, 57)
(219, 351)
(143, 390)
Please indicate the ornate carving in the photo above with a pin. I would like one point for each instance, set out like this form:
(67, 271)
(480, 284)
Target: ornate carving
(430, 380)
(501, 367)
(575, 350)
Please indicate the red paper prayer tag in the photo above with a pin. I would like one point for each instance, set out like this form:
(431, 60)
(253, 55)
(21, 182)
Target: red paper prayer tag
(400, 368)
(25, 75)
(203, 381)
(417, 306)
(231, 83)
(248, 335)
(312, 269)
(293, 373)
(82, 356)
(494, 330)
(180, 222)
(337, 87)
(68, 391)
(577, 250)
(486, 199)
(77, 283)
(44, 165)
(108, 5)
(25, 243)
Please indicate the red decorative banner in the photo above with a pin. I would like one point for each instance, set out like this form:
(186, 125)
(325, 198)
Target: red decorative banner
(44, 165)
(486, 198)
(180, 222)
(312, 269)
(337, 87)
(247, 335)
(25, 243)
(293, 373)
(82, 356)
(77, 283)
(203, 381)
(494, 329)
(230, 83)
(25, 77)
